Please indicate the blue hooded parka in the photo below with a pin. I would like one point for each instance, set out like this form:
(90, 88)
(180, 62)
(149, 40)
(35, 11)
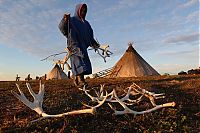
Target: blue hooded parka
(81, 38)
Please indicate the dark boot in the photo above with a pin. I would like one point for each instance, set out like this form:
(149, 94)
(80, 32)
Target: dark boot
(81, 81)
(76, 79)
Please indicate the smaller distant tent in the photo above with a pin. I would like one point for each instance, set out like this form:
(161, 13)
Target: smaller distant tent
(56, 73)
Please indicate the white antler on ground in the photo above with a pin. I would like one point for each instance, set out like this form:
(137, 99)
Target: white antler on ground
(133, 90)
(112, 97)
(129, 111)
(143, 92)
(99, 95)
(36, 105)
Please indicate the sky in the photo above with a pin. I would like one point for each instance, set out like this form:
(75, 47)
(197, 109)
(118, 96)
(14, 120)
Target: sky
(164, 32)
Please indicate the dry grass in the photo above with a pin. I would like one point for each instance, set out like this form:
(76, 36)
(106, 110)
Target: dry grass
(62, 96)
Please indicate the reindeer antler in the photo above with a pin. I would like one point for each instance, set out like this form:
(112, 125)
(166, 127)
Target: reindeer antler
(36, 105)
(103, 51)
(134, 89)
(129, 111)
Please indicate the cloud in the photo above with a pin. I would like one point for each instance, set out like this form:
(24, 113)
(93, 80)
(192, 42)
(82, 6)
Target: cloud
(189, 3)
(175, 60)
(180, 53)
(193, 37)
(128, 3)
(122, 4)
(114, 8)
(174, 23)
(193, 17)
(28, 27)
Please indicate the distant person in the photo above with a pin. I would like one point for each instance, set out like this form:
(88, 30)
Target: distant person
(28, 77)
(79, 39)
(37, 78)
(45, 76)
(17, 78)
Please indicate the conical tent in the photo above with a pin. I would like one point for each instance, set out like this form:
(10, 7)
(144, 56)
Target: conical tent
(132, 64)
(56, 73)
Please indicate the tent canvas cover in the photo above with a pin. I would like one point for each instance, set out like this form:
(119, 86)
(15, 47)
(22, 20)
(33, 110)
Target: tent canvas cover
(132, 64)
(56, 73)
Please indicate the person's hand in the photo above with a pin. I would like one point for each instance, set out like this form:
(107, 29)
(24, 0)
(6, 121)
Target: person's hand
(66, 16)
(96, 46)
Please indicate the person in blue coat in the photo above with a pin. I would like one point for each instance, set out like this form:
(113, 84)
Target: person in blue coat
(79, 36)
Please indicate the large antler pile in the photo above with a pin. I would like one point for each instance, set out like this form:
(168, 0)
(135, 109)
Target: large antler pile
(133, 90)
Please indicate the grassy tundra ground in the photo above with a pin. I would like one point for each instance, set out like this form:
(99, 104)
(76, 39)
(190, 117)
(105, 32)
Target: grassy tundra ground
(62, 96)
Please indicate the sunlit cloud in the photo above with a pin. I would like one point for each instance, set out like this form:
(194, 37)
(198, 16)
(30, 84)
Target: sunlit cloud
(179, 53)
(193, 37)
(189, 3)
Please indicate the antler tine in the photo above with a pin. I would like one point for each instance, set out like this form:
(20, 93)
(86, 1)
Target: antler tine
(30, 90)
(161, 94)
(41, 89)
(126, 97)
(91, 97)
(116, 97)
(135, 100)
(19, 89)
(96, 93)
(111, 96)
(159, 97)
(101, 90)
(151, 98)
(100, 102)
(83, 88)
(40, 94)
(22, 98)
